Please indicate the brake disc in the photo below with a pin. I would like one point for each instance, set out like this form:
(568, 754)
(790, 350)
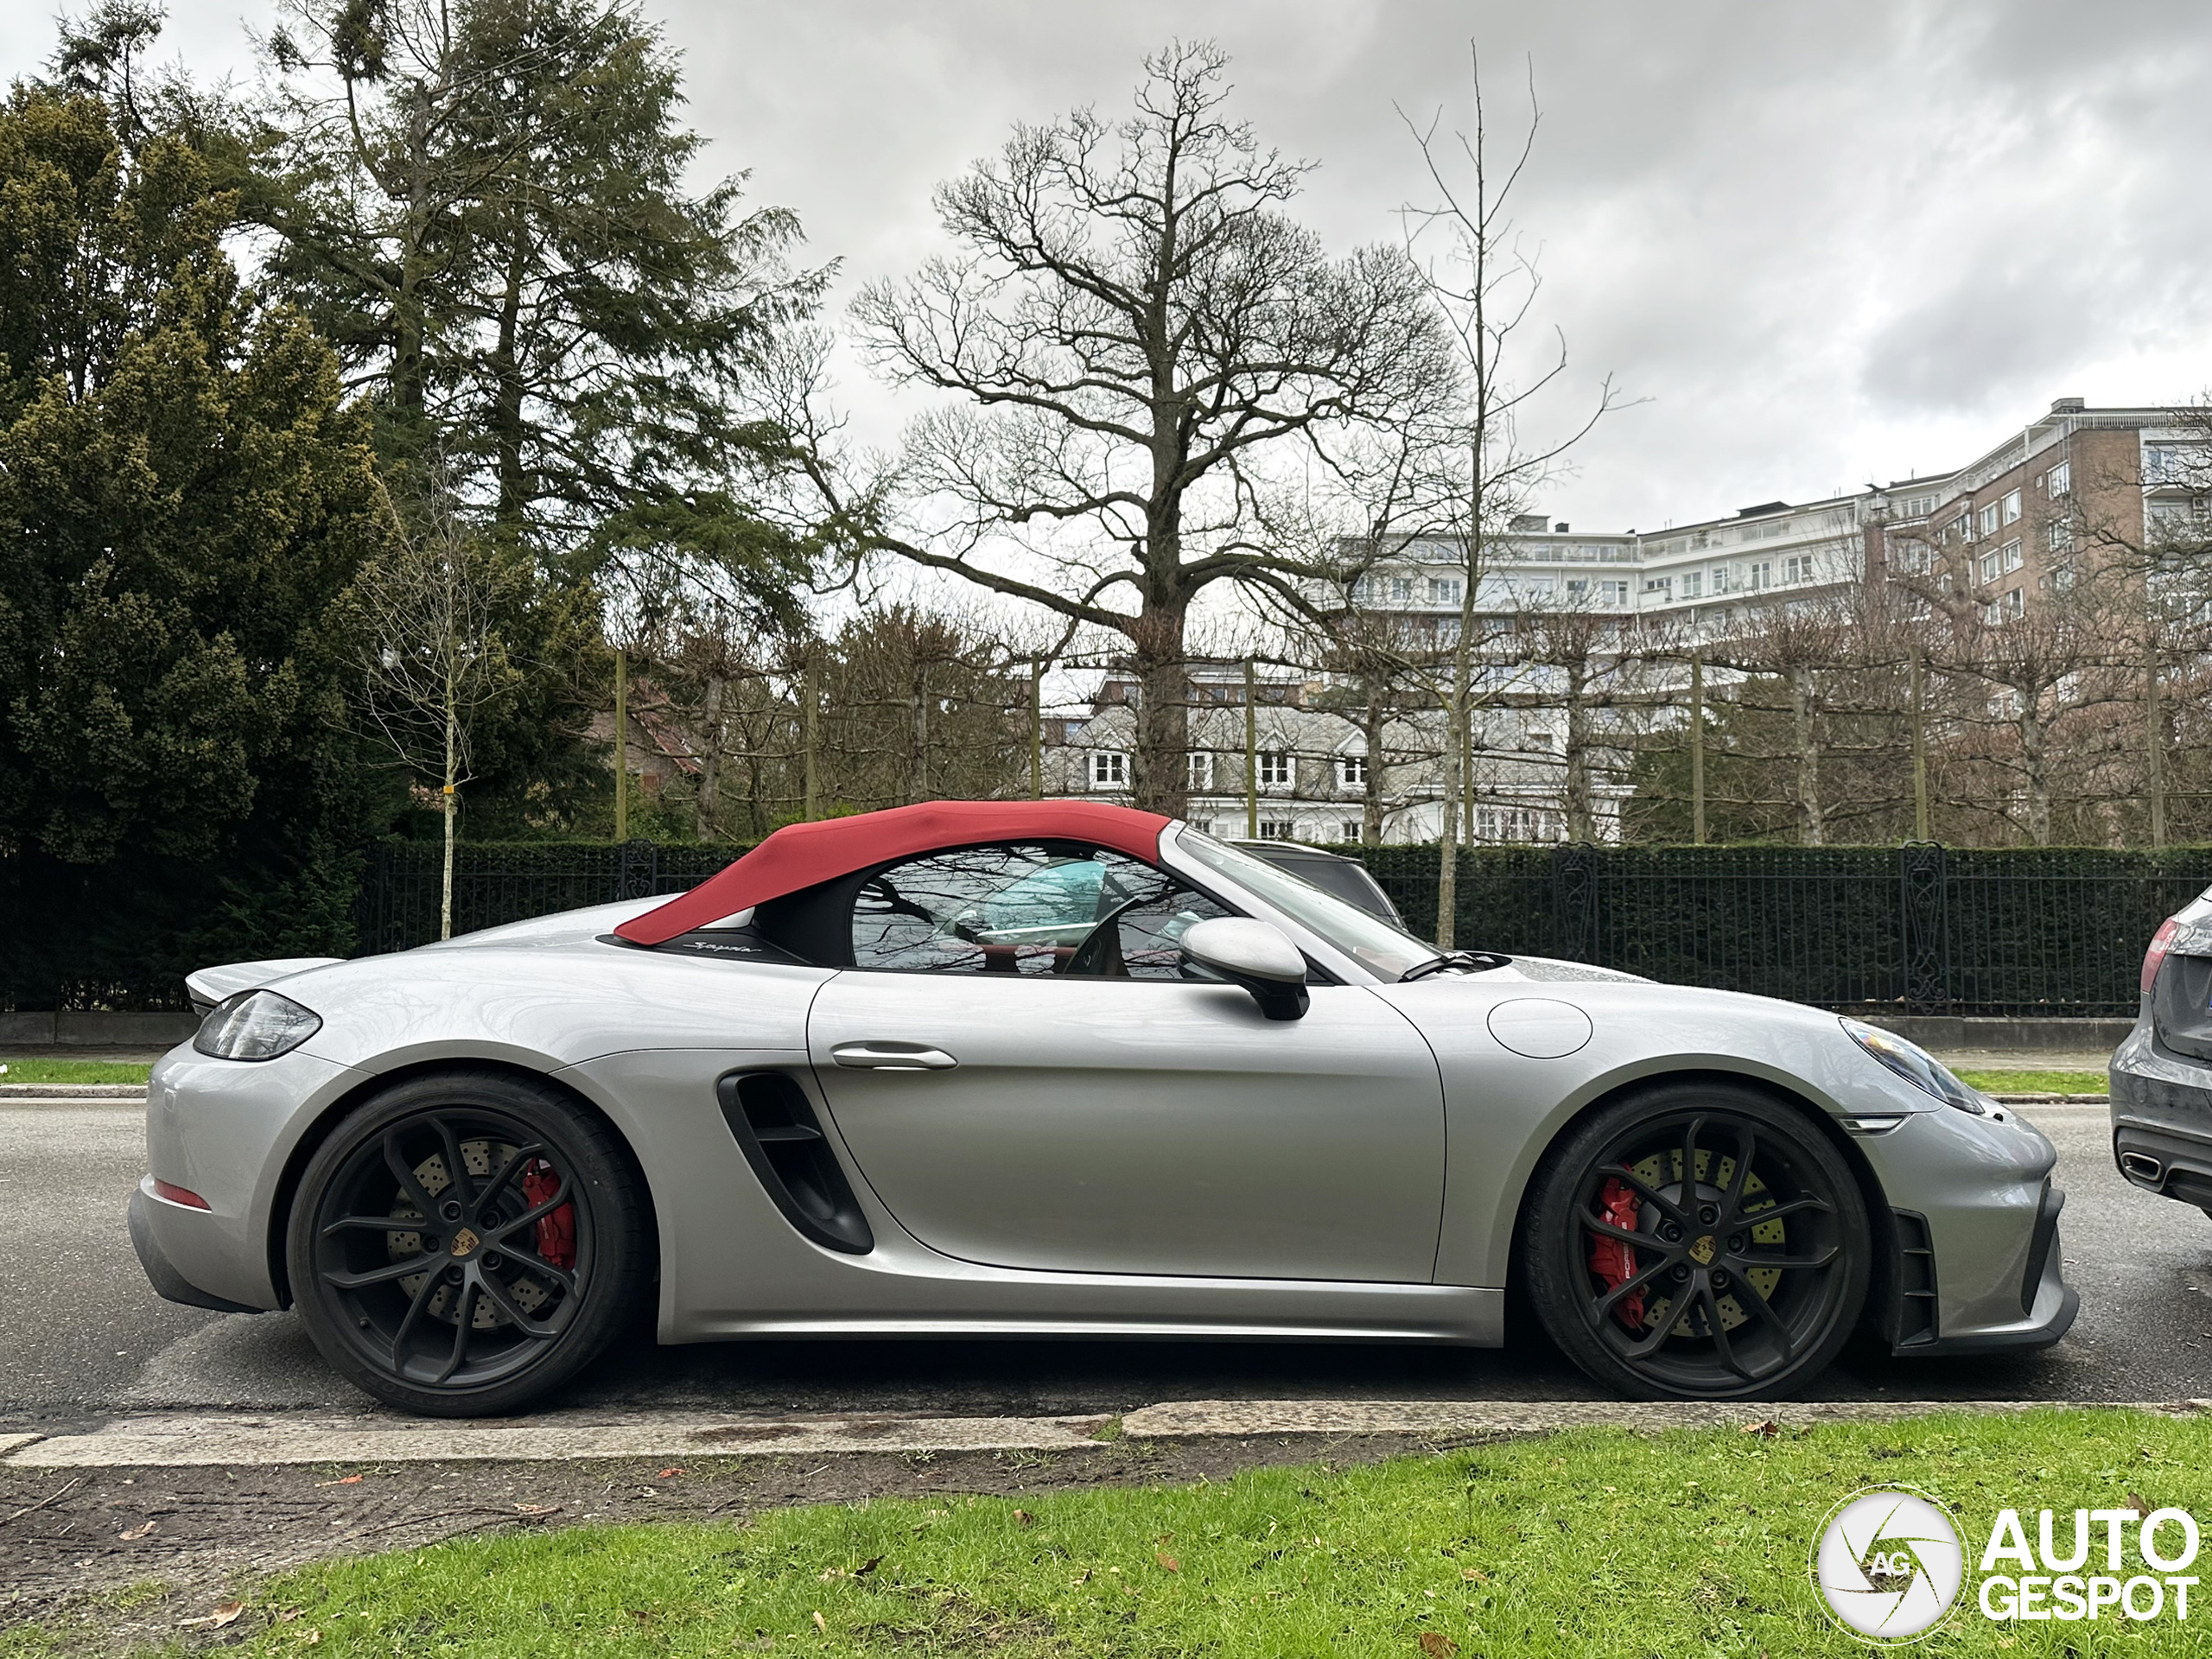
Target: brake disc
(480, 1159)
(1663, 1171)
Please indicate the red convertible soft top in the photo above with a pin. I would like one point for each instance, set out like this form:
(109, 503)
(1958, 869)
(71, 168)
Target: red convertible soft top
(800, 854)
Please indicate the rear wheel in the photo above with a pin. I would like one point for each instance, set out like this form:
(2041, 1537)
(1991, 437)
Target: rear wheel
(1698, 1241)
(466, 1241)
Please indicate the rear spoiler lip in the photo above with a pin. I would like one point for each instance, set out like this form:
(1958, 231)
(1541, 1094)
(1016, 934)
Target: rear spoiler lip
(208, 986)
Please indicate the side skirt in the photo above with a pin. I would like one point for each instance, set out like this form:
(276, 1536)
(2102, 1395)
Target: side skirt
(1157, 1311)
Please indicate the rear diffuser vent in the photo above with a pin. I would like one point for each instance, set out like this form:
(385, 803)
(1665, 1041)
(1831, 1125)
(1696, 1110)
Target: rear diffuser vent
(781, 1138)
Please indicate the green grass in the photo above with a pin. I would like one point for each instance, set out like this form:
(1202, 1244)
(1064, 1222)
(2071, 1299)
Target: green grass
(1597, 1542)
(1994, 1082)
(73, 1071)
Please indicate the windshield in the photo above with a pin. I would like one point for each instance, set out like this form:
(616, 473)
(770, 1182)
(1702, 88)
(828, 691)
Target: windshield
(1367, 939)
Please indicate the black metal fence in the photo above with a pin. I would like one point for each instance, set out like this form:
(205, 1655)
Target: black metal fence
(510, 881)
(1919, 929)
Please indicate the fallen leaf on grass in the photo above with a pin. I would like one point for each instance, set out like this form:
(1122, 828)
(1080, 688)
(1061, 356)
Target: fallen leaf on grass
(538, 1509)
(314, 1638)
(1437, 1645)
(820, 1623)
(346, 1480)
(135, 1533)
(226, 1613)
(867, 1566)
(1167, 1562)
(1767, 1430)
(1023, 1518)
(2139, 1503)
(668, 1474)
(1474, 1575)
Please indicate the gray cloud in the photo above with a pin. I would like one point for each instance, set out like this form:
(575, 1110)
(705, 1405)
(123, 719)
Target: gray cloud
(1827, 243)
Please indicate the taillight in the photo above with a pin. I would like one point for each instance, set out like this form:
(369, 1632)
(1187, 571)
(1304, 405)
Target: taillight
(175, 1194)
(2161, 942)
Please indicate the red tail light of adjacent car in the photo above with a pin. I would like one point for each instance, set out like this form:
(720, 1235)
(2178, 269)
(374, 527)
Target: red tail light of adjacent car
(2153, 958)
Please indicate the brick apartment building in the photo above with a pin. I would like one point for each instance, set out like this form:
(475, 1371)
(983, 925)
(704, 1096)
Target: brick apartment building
(2053, 502)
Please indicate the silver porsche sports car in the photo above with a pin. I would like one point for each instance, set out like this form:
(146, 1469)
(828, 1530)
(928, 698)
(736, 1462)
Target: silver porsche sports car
(1052, 1068)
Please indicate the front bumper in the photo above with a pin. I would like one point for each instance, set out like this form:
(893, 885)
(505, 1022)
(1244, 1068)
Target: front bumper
(1978, 1263)
(2162, 1119)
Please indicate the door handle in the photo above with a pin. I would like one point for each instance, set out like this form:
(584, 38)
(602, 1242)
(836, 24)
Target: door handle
(892, 1056)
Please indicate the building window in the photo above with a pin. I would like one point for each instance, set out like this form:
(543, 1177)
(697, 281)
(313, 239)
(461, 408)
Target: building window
(1204, 826)
(1662, 586)
(1351, 829)
(1402, 590)
(1274, 770)
(1985, 569)
(1110, 769)
(1578, 590)
(1759, 575)
(2010, 555)
(2011, 506)
(1444, 591)
(2058, 536)
(1352, 771)
(1612, 592)
(1692, 583)
(1985, 521)
(1278, 829)
(1719, 578)
(2172, 463)
(1199, 771)
(1798, 567)
(2061, 478)
(1517, 823)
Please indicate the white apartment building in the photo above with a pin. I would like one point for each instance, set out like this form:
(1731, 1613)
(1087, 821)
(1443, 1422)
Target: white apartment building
(2004, 522)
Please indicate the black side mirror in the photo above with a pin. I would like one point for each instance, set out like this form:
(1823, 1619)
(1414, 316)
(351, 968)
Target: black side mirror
(1255, 955)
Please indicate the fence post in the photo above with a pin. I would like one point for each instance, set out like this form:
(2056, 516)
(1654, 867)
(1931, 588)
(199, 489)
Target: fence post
(1574, 901)
(1923, 927)
(640, 869)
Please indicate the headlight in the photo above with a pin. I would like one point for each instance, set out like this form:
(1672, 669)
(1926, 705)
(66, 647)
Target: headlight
(1916, 1066)
(255, 1025)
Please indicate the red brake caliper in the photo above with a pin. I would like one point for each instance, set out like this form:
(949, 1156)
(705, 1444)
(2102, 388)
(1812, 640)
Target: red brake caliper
(1611, 1259)
(556, 1229)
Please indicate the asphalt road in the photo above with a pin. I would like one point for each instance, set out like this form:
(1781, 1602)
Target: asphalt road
(82, 1336)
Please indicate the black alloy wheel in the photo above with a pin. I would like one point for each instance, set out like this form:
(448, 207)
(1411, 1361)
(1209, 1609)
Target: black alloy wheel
(465, 1241)
(1698, 1241)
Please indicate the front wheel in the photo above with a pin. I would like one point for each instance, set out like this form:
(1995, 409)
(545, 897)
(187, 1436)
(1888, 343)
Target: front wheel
(465, 1241)
(1697, 1241)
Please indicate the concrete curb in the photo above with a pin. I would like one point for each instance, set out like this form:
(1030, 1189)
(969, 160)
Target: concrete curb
(44, 1091)
(245, 1441)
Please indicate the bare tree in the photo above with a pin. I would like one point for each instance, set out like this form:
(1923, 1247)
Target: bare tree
(1136, 340)
(432, 659)
(2146, 526)
(1485, 285)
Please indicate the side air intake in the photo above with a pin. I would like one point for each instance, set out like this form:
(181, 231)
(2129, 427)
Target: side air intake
(782, 1138)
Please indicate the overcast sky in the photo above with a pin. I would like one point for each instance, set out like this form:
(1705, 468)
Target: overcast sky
(1826, 244)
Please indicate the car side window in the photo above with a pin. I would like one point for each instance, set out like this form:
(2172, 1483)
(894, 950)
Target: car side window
(1025, 908)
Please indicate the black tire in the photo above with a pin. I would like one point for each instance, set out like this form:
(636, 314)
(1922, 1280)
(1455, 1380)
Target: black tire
(541, 1255)
(1746, 1286)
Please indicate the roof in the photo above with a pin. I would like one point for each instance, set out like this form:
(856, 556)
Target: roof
(801, 855)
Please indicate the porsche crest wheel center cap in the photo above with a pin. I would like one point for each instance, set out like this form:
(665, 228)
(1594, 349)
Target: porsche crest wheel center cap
(1702, 1252)
(464, 1242)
